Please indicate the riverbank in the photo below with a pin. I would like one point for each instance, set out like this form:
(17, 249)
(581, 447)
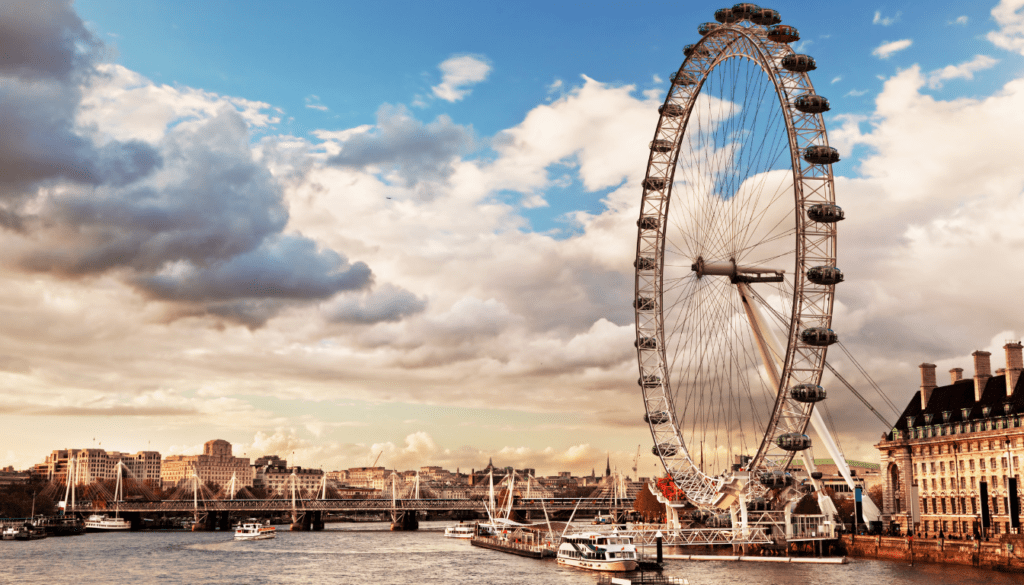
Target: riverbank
(1000, 555)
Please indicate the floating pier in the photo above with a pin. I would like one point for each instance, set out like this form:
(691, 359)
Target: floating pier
(516, 548)
(811, 560)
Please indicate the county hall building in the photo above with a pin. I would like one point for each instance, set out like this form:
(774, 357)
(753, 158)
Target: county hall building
(949, 463)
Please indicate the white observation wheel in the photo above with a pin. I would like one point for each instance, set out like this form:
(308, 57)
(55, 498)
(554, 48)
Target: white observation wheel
(736, 260)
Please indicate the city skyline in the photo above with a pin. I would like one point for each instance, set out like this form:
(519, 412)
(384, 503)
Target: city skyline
(330, 232)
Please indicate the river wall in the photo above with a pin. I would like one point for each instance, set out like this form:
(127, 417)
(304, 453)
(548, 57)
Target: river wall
(1006, 554)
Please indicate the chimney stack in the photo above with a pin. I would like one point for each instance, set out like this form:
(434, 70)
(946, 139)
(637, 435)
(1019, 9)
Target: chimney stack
(927, 383)
(1014, 365)
(982, 372)
(955, 375)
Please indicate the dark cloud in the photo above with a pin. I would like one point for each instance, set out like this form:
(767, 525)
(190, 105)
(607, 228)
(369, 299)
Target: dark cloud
(43, 39)
(387, 303)
(285, 267)
(399, 142)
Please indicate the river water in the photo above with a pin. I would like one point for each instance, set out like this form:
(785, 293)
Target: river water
(370, 553)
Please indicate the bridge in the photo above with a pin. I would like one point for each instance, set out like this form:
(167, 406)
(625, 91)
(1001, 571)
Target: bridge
(334, 505)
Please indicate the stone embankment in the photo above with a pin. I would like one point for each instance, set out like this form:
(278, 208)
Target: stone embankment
(1004, 554)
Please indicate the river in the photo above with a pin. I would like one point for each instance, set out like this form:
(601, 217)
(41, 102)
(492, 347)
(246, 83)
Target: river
(370, 553)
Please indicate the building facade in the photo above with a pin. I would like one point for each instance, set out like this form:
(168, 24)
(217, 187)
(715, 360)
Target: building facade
(98, 465)
(216, 465)
(951, 457)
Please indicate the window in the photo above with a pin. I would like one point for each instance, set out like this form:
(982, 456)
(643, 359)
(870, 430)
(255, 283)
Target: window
(981, 464)
(942, 466)
(942, 485)
(972, 464)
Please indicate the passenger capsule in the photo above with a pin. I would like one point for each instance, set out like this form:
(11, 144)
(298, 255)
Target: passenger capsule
(649, 381)
(654, 183)
(799, 63)
(793, 442)
(825, 275)
(811, 104)
(644, 263)
(818, 336)
(744, 10)
(725, 16)
(683, 78)
(658, 417)
(708, 27)
(825, 213)
(807, 393)
(648, 222)
(775, 479)
(646, 343)
(671, 110)
(783, 33)
(643, 304)
(699, 50)
(661, 145)
(766, 17)
(819, 154)
(817, 475)
(665, 450)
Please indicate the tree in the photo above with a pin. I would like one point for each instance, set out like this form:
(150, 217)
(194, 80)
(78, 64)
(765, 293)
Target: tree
(648, 506)
(875, 493)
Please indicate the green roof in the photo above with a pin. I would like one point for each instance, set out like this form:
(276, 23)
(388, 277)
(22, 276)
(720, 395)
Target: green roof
(797, 462)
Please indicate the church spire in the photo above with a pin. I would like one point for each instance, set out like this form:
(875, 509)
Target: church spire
(608, 468)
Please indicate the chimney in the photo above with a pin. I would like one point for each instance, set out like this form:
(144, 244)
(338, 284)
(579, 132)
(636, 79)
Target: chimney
(927, 383)
(982, 372)
(1014, 365)
(955, 375)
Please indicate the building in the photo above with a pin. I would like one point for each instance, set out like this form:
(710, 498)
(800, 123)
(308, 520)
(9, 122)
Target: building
(216, 465)
(280, 479)
(955, 451)
(10, 477)
(865, 475)
(98, 465)
(368, 477)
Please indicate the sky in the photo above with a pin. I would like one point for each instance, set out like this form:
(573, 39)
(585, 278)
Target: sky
(329, 231)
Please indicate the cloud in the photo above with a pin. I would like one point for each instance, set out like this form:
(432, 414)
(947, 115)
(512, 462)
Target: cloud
(1010, 18)
(856, 92)
(961, 20)
(887, 20)
(886, 50)
(44, 40)
(399, 142)
(837, 79)
(313, 103)
(388, 303)
(965, 70)
(458, 75)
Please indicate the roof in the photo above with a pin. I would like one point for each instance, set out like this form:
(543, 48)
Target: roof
(851, 463)
(950, 404)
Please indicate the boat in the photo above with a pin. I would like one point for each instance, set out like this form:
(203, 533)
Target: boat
(460, 530)
(597, 551)
(253, 529)
(104, 523)
(8, 533)
(28, 531)
(604, 519)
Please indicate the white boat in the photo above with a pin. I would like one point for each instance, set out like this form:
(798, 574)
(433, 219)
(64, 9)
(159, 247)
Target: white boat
(253, 529)
(598, 551)
(8, 533)
(104, 523)
(460, 530)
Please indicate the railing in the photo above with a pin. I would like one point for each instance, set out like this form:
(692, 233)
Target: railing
(339, 505)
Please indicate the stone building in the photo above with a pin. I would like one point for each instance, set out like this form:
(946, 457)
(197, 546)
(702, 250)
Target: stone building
(98, 465)
(216, 465)
(279, 479)
(955, 449)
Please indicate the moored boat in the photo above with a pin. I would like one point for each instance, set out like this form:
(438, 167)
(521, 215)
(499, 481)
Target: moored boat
(597, 551)
(253, 529)
(104, 523)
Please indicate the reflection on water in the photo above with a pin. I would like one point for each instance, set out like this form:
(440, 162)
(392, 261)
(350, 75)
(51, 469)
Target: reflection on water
(370, 553)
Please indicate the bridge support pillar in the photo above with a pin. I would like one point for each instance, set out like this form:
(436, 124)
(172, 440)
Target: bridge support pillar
(299, 521)
(403, 520)
(317, 521)
(224, 521)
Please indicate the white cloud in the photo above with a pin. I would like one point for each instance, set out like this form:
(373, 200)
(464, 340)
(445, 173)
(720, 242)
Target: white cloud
(961, 20)
(458, 75)
(886, 50)
(885, 20)
(856, 92)
(965, 70)
(837, 79)
(313, 103)
(1010, 18)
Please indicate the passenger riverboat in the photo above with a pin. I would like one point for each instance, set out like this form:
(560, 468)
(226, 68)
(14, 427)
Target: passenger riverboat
(598, 551)
(253, 529)
(460, 530)
(104, 523)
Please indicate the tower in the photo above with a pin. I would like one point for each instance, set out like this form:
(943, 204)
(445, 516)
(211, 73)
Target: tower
(608, 467)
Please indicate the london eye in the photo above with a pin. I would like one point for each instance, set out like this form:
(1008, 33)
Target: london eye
(736, 260)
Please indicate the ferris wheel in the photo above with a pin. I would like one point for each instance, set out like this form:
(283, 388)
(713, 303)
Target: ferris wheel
(736, 260)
